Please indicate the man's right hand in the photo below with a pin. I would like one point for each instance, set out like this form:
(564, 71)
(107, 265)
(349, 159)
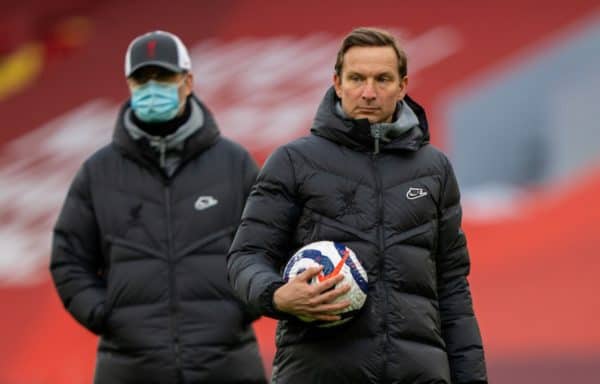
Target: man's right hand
(299, 298)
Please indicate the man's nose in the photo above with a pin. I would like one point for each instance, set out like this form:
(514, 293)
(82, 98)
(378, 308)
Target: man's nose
(368, 92)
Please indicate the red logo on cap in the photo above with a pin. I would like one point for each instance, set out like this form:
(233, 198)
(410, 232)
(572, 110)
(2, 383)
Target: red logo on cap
(151, 48)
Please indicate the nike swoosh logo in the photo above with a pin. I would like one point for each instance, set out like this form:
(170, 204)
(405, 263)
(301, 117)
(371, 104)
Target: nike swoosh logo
(338, 268)
(415, 193)
(204, 202)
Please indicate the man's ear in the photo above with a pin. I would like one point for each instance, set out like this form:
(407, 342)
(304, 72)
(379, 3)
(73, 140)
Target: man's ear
(337, 84)
(130, 84)
(188, 83)
(403, 87)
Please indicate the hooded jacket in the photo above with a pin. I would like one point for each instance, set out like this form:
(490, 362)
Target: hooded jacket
(139, 251)
(390, 196)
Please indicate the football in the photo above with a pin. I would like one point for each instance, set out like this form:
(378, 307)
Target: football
(336, 259)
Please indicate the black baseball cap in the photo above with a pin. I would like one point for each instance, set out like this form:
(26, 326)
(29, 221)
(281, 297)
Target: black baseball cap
(159, 48)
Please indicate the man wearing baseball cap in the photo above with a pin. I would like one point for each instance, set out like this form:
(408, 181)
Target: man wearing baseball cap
(139, 248)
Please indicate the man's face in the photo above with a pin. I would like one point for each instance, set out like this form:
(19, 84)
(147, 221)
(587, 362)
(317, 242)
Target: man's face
(162, 75)
(369, 85)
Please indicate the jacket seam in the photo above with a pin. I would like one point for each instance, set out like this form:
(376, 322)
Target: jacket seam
(291, 166)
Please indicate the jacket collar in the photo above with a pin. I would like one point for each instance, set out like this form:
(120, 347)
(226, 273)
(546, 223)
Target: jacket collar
(359, 134)
(197, 134)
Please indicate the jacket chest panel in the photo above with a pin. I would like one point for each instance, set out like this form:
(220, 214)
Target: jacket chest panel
(373, 203)
(411, 204)
(338, 197)
(167, 218)
(370, 190)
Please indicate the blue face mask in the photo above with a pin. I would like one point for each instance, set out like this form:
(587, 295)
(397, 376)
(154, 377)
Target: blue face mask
(155, 102)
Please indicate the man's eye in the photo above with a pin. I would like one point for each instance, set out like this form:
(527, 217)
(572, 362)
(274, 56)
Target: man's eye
(164, 77)
(140, 79)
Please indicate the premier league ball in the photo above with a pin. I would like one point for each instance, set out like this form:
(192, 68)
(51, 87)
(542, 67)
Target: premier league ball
(336, 259)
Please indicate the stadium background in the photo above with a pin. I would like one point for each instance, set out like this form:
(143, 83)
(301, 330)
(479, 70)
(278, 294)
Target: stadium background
(511, 89)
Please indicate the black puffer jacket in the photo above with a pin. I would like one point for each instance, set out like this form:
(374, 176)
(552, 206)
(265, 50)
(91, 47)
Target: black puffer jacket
(139, 258)
(399, 211)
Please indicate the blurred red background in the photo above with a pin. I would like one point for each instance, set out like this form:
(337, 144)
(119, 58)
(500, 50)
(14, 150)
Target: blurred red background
(262, 67)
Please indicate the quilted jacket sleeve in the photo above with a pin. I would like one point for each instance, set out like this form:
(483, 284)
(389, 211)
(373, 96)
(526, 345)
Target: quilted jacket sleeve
(250, 172)
(459, 325)
(262, 242)
(76, 260)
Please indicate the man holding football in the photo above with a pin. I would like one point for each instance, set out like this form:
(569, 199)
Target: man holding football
(365, 177)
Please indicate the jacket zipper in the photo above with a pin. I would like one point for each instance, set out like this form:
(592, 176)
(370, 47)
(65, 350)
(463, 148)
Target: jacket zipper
(163, 149)
(376, 133)
(381, 253)
(172, 286)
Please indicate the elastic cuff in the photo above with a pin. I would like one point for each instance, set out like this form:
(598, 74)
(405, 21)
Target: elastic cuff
(267, 304)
